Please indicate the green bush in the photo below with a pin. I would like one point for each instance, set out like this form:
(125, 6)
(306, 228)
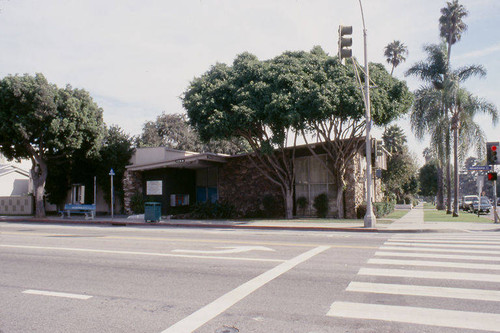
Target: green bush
(271, 206)
(302, 204)
(137, 203)
(380, 209)
(209, 210)
(321, 205)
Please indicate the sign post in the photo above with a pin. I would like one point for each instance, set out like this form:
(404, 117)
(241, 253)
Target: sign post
(112, 173)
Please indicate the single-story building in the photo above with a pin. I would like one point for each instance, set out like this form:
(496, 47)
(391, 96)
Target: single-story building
(181, 178)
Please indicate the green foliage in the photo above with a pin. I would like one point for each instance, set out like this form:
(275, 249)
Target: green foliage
(271, 206)
(394, 139)
(302, 203)
(46, 124)
(174, 131)
(428, 178)
(380, 209)
(321, 205)
(137, 203)
(209, 210)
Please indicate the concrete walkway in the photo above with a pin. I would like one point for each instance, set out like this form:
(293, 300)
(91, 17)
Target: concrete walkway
(413, 221)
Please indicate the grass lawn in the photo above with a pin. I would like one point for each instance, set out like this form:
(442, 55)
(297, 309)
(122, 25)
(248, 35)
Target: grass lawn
(441, 216)
(396, 214)
(428, 205)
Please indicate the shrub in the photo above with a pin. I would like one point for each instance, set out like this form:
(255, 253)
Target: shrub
(209, 210)
(321, 205)
(302, 204)
(271, 207)
(380, 209)
(137, 203)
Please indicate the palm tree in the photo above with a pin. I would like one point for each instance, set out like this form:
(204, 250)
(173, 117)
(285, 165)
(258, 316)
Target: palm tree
(429, 114)
(451, 23)
(395, 53)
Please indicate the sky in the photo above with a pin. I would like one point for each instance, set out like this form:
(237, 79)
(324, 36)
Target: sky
(136, 58)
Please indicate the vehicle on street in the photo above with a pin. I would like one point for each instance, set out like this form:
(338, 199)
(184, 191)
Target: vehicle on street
(484, 207)
(467, 201)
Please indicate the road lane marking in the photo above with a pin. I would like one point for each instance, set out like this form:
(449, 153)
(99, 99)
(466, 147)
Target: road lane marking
(201, 240)
(138, 253)
(430, 274)
(447, 264)
(444, 245)
(435, 255)
(415, 290)
(228, 249)
(210, 311)
(415, 315)
(55, 294)
(431, 249)
(445, 241)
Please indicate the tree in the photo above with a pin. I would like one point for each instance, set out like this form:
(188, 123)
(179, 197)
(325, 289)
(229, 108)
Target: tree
(400, 178)
(115, 153)
(428, 176)
(394, 139)
(240, 101)
(395, 53)
(174, 131)
(269, 102)
(451, 24)
(41, 122)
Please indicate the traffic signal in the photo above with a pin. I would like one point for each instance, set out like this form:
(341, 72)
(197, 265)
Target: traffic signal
(492, 153)
(492, 176)
(345, 42)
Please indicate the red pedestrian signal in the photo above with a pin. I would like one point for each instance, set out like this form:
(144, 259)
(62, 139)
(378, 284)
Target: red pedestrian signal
(492, 176)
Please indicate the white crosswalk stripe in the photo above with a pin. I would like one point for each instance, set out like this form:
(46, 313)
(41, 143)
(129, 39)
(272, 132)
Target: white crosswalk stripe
(429, 267)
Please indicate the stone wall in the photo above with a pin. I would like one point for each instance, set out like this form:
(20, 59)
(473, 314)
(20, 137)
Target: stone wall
(243, 185)
(132, 183)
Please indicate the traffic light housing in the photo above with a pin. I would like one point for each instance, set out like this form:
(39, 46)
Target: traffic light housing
(492, 157)
(492, 176)
(345, 42)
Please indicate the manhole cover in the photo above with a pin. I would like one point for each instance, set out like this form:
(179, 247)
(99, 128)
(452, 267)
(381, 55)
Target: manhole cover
(227, 329)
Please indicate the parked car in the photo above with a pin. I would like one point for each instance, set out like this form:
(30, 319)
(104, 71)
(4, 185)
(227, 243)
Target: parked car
(484, 207)
(467, 201)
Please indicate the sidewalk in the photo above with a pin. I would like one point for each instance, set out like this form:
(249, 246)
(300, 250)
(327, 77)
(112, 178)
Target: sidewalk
(413, 221)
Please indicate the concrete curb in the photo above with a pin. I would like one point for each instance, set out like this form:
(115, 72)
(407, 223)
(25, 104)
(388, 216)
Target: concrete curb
(227, 226)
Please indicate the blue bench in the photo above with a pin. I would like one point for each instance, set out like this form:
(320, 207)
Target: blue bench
(88, 210)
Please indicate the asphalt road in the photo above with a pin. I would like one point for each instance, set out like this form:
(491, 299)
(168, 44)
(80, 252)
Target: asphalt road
(123, 279)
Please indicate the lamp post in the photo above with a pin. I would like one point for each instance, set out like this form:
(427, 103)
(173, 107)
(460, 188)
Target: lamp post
(370, 219)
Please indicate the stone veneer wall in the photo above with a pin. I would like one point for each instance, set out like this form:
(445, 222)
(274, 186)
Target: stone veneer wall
(132, 183)
(355, 192)
(243, 185)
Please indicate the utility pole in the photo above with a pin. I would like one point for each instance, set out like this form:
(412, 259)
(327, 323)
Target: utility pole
(112, 173)
(370, 219)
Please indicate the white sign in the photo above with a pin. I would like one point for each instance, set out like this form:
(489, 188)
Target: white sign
(154, 187)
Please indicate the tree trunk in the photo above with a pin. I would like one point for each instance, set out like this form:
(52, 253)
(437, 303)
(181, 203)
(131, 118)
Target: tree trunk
(448, 186)
(456, 180)
(440, 190)
(39, 176)
(288, 203)
(340, 200)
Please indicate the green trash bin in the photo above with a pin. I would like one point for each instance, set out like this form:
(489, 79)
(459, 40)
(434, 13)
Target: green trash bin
(152, 211)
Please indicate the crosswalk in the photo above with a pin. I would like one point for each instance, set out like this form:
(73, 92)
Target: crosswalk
(440, 280)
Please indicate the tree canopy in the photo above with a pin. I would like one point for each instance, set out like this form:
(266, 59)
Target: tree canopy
(269, 102)
(42, 122)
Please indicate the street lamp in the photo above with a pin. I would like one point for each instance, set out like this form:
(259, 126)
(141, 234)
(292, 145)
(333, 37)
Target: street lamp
(370, 219)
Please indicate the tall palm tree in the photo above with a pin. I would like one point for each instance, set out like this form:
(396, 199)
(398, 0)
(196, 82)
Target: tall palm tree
(429, 107)
(451, 23)
(395, 53)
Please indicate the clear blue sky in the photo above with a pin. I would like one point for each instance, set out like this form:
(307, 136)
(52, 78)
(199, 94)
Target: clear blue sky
(137, 57)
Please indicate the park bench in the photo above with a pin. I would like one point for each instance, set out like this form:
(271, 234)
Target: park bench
(88, 210)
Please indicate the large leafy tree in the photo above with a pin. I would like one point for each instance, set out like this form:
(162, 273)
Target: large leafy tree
(174, 131)
(40, 122)
(269, 102)
(428, 179)
(395, 53)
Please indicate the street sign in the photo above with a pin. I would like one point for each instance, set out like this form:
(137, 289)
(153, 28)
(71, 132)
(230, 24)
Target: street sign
(480, 167)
